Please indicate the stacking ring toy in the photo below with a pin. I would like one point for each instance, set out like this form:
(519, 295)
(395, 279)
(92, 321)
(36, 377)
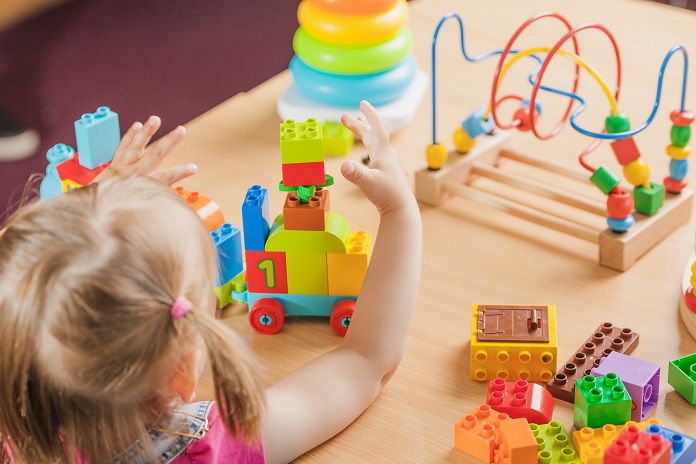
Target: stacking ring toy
(354, 7)
(354, 29)
(352, 59)
(349, 90)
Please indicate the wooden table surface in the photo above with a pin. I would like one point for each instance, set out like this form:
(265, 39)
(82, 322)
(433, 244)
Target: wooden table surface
(472, 253)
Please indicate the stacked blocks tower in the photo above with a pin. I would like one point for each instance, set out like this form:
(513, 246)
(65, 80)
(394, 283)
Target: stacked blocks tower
(606, 339)
(641, 379)
(590, 443)
(635, 446)
(97, 135)
(554, 443)
(682, 377)
(513, 342)
(601, 400)
(521, 399)
(307, 261)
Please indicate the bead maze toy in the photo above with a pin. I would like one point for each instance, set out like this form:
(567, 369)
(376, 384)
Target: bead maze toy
(659, 208)
(352, 50)
(687, 304)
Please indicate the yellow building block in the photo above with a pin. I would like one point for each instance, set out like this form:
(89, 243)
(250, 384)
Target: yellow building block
(534, 361)
(307, 273)
(331, 240)
(590, 443)
(347, 270)
(68, 185)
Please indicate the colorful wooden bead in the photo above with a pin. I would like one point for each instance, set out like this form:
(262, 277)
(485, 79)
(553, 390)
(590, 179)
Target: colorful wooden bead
(619, 204)
(678, 153)
(649, 200)
(616, 123)
(524, 115)
(621, 225)
(690, 299)
(680, 135)
(674, 185)
(605, 179)
(637, 172)
(436, 155)
(463, 142)
(681, 118)
(678, 169)
(625, 150)
(475, 124)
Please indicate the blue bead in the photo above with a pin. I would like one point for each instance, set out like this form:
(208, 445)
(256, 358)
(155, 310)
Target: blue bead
(537, 105)
(678, 169)
(621, 225)
(475, 125)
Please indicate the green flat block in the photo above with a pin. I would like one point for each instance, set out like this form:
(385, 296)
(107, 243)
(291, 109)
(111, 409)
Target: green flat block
(649, 201)
(301, 142)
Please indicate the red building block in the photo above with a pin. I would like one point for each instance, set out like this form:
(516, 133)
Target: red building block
(605, 339)
(476, 433)
(518, 444)
(266, 272)
(297, 174)
(634, 446)
(306, 216)
(521, 399)
(72, 170)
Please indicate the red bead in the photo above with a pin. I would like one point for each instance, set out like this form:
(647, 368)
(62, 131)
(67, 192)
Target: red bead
(522, 115)
(674, 186)
(619, 204)
(690, 299)
(681, 118)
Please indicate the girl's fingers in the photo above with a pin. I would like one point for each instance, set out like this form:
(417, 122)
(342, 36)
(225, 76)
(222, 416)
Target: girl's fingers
(173, 175)
(165, 145)
(140, 140)
(126, 140)
(379, 135)
(358, 126)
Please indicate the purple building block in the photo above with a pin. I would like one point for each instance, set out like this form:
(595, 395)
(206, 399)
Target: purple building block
(641, 379)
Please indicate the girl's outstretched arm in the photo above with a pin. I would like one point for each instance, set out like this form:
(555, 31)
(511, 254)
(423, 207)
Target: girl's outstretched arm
(321, 398)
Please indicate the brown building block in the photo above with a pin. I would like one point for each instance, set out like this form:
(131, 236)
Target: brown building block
(513, 324)
(606, 339)
(306, 216)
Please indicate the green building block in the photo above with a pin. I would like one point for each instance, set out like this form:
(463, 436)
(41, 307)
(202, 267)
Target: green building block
(600, 401)
(301, 142)
(649, 201)
(226, 291)
(338, 139)
(554, 444)
(682, 377)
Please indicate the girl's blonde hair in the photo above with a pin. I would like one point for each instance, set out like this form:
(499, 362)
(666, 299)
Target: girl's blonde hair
(87, 342)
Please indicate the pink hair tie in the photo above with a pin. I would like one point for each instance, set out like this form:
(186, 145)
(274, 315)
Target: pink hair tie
(180, 307)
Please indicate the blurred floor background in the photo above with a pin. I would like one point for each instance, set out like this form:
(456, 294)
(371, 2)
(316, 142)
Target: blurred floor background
(176, 59)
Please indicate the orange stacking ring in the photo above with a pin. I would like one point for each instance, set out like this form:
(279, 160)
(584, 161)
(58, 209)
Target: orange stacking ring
(354, 7)
(352, 29)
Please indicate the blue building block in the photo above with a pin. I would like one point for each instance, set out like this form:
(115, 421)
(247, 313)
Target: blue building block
(683, 446)
(51, 185)
(228, 244)
(98, 135)
(475, 125)
(302, 304)
(256, 217)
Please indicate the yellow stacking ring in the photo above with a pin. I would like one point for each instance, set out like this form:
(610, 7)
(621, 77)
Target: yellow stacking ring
(354, 7)
(353, 29)
(352, 59)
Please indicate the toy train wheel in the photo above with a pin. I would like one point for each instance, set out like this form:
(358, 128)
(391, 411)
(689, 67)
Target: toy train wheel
(341, 315)
(267, 316)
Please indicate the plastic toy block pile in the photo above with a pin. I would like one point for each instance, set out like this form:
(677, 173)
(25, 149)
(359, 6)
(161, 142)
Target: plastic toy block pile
(305, 262)
(612, 392)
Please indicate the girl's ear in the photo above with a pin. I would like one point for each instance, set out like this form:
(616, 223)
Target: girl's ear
(185, 377)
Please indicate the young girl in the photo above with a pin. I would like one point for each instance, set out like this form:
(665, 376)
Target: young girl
(107, 318)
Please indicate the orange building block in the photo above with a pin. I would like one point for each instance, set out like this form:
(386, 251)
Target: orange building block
(347, 271)
(517, 444)
(209, 211)
(476, 433)
(306, 216)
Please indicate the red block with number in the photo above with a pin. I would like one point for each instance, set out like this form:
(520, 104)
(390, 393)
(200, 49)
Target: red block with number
(266, 272)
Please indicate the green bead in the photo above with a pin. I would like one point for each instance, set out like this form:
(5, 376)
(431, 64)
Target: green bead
(680, 135)
(616, 123)
(649, 201)
(604, 179)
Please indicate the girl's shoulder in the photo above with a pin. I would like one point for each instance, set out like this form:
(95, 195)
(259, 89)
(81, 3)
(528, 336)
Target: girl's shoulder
(192, 433)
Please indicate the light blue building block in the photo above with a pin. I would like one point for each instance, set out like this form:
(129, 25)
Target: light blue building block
(683, 446)
(302, 304)
(51, 185)
(256, 218)
(228, 244)
(98, 135)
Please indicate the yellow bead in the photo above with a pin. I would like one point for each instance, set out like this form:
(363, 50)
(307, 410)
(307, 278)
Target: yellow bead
(693, 281)
(462, 140)
(693, 268)
(678, 153)
(436, 155)
(637, 172)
